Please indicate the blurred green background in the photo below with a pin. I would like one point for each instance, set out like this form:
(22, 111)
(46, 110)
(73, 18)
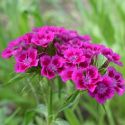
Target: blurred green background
(104, 20)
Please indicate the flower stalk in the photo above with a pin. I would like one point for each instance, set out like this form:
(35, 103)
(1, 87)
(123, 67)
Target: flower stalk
(50, 105)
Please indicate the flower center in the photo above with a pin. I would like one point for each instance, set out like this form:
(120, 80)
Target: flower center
(114, 83)
(52, 67)
(101, 88)
(27, 61)
(87, 80)
(73, 58)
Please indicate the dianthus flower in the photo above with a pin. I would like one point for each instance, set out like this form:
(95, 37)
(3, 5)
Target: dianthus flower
(117, 80)
(55, 51)
(104, 90)
(74, 55)
(42, 38)
(86, 79)
(51, 65)
(26, 59)
(111, 56)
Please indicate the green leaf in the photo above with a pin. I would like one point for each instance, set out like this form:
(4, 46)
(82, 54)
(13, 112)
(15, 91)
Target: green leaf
(11, 117)
(28, 118)
(31, 114)
(71, 117)
(16, 78)
(60, 122)
(70, 101)
(42, 109)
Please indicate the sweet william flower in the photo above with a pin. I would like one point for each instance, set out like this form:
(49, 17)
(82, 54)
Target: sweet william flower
(51, 66)
(86, 79)
(27, 38)
(42, 38)
(7, 53)
(84, 64)
(17, 45)
(111, 56)
(71, 56)
(12, 49)
(104, 90)
(86, 38)
(26, 59)
(66, 74)
(117, 80)
(75, 42)
(74, 55)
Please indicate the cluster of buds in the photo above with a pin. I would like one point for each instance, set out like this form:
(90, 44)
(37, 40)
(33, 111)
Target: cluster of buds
(56, 51)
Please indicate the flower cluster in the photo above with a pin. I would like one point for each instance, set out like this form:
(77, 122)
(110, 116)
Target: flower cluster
(57, 51)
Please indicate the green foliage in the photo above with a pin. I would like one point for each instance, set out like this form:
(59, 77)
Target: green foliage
(24, 97)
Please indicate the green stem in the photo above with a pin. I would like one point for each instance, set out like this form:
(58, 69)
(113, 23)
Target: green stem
(50, 103)
(110, 115)
(33, 91)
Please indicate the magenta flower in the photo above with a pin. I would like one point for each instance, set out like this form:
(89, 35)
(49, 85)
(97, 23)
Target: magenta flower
(27, 38)
(60, 48)
(77, 76)
(65, 35)
(71, 56)
(26, 59)
(86, 38)
(12, 49)
(75, 42)
(74, 55)
(93, 49)
(117, 80)
(104, 90)
(7, 53)
(17, 45)
(85, 64)
(21, 42)
(111, 56)
(51, 65)
(86, 79)
(66, 74)
(43, 38)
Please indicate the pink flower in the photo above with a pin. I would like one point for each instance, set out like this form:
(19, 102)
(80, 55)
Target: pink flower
(86, 38)
(75, 42)
(26, 59)
(60, 48)
(43, 38)
(86, 79)
(66, 74)
(12, 49)
(65, 53)
(17, 45)
(51, 65)
(65, 35)
(93, 49)
(7, 53)
(27, 38)
(117, 80)
(21, 42)
(111, 56)
(74, 55)
(104, 90)
(77, 77)
(85, 64)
